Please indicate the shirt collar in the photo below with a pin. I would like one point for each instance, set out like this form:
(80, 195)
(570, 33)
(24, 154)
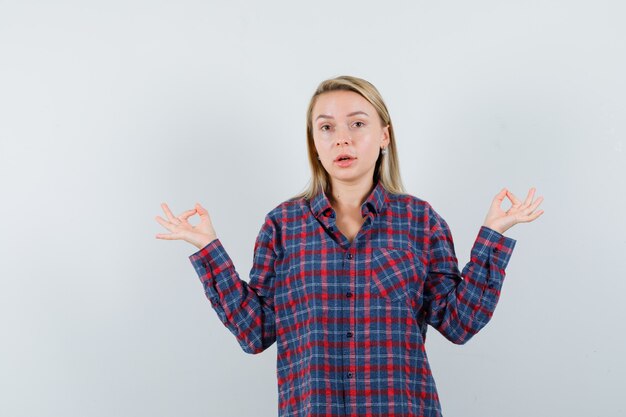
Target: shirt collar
(375, 202)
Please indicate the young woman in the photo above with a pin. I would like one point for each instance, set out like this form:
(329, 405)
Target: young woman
(347, 275)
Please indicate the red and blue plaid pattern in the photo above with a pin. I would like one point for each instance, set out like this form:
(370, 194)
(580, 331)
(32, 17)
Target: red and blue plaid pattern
(350, 319)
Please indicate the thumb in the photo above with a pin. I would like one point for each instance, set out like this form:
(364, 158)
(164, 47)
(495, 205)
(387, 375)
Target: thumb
(500, 196)
(497, 200)
(201, 210)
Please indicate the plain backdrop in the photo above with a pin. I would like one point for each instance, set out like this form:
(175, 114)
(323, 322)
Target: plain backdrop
(109, 108)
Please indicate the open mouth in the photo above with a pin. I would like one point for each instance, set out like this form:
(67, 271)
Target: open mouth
(344, 157)
(344, 161)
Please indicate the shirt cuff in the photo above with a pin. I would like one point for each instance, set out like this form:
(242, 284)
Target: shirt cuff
(209, 262)
(493, 245)
(203, 256)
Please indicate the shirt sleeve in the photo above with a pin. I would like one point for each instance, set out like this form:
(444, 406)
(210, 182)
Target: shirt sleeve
(246, 309)
(459, 304)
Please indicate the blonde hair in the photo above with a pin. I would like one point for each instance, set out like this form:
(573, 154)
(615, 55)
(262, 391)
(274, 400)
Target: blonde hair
(387, 168)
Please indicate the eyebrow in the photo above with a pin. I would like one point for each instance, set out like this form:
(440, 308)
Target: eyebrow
(325, 116)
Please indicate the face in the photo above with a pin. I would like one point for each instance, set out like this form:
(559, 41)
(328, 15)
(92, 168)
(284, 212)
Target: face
(346, 123)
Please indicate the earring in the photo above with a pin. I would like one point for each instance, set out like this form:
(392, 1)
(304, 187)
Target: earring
(383, 151)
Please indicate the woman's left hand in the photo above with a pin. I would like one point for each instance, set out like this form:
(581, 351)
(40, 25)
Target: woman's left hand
(500, 220)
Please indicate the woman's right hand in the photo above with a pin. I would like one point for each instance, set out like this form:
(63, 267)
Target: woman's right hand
(199, 236)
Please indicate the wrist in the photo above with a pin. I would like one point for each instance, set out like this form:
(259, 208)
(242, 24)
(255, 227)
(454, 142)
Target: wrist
(492, 227)
(204, 241)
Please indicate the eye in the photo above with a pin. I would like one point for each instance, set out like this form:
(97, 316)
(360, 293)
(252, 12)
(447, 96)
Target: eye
(360, 124)
(324, 127)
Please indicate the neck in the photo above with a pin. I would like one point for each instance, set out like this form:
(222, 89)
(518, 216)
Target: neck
(348, 196)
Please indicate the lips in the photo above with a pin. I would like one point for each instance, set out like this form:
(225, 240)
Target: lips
(344, 160)
(344, 157)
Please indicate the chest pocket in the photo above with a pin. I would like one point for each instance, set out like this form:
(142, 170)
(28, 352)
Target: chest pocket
(393, 274)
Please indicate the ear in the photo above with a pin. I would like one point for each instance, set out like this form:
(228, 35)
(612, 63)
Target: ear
(385, 136)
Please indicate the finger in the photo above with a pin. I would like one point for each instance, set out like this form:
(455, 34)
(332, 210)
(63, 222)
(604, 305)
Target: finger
(167, 211)
(169, 226)
(529, 211)
(531, 217)
(513, 199)
(201, 210)
(538, 201)
(167, 237)
(529, 197)
(187, 214)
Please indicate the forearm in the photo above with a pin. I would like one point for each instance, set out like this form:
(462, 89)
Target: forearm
(463, 303)
(241, 309)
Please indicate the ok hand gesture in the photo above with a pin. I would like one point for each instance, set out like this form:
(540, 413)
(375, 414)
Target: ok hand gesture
(181, 229)
(500, 220)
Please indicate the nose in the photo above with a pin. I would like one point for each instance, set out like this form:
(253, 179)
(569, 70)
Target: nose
(343, 136)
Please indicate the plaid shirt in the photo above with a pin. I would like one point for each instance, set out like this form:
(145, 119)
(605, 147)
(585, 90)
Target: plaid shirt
(350, 319)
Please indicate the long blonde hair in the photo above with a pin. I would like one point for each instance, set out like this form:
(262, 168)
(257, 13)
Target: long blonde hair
(387, 168)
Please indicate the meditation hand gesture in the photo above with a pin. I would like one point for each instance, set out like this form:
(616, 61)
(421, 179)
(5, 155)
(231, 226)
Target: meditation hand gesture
(500, 220)
(181, 229)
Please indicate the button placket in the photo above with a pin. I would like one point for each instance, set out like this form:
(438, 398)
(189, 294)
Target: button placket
(349, 334)
(349, 293)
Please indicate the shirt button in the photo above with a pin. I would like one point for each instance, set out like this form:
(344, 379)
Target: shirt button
(350, 374)
(349, 334)
(495, 250)
(349, 256)
(348, 294)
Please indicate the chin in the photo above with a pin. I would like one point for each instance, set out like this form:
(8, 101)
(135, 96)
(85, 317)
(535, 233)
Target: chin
(345, 176)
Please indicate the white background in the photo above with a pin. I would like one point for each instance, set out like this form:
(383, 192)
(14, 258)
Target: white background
(109, 108)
